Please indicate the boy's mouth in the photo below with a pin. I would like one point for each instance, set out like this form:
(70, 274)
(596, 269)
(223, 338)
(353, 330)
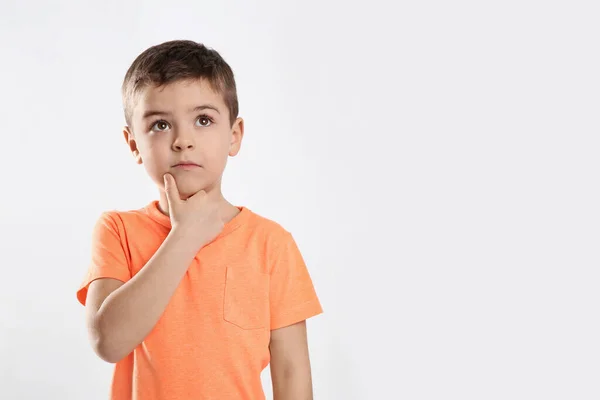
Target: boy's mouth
(186, 165)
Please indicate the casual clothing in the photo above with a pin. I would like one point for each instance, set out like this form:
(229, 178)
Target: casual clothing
(212, 341)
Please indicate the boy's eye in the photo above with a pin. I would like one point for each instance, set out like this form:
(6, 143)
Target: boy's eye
(204, 121)
(160, 126)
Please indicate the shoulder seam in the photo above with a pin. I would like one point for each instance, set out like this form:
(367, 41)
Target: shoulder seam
(123, 240)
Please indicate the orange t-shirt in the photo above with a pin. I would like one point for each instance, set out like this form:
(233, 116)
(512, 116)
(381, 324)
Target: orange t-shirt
(212, 341)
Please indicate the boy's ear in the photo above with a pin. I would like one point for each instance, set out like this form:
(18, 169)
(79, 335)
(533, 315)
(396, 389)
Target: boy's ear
(128, 134)
(237, 134)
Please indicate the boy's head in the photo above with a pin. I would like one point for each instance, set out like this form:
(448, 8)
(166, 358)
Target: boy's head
(181, 109)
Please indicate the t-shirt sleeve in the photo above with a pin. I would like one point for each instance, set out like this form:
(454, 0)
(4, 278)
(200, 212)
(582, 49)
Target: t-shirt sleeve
(108, 256)
(292, 295)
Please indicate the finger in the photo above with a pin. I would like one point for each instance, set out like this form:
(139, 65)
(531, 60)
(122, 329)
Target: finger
(199, 193)
(171, 189)
(198, 196)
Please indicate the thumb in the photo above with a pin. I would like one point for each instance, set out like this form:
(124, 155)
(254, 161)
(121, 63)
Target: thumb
(171, 190)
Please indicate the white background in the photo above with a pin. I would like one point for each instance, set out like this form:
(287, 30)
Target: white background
(437, 163)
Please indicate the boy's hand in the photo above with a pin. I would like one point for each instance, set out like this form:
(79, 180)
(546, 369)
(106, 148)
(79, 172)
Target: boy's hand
(198, 217)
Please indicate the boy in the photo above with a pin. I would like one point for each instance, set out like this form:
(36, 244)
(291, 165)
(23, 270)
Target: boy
(191, 296)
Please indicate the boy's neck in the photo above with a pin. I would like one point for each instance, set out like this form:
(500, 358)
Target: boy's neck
(228, 210)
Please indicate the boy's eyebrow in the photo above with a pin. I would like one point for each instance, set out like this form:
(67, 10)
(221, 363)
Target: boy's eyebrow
(204, 107)
(151, 113)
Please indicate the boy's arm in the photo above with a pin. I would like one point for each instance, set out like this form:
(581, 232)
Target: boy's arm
(290, 363)
(120, 315)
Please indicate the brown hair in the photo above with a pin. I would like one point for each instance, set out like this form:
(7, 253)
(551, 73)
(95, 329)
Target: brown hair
(179, 60)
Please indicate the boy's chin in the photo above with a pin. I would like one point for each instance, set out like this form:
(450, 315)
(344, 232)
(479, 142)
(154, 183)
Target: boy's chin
(188, 189)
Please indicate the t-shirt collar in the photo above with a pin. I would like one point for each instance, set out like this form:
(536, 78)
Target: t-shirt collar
(153, 211)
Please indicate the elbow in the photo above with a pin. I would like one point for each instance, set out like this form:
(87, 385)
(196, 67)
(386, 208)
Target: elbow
(106, 351)
(104, 344)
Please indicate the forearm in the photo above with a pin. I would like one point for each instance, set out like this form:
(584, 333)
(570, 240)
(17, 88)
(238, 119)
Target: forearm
(128, 314)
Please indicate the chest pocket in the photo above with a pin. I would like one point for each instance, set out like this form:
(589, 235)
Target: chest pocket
(246, 302)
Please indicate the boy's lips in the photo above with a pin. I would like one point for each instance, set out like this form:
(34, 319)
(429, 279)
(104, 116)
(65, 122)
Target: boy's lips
(186, 165)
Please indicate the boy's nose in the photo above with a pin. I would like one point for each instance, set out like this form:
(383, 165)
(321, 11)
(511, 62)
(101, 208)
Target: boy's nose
(183, 142)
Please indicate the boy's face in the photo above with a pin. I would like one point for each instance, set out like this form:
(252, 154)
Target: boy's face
(183, 129)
